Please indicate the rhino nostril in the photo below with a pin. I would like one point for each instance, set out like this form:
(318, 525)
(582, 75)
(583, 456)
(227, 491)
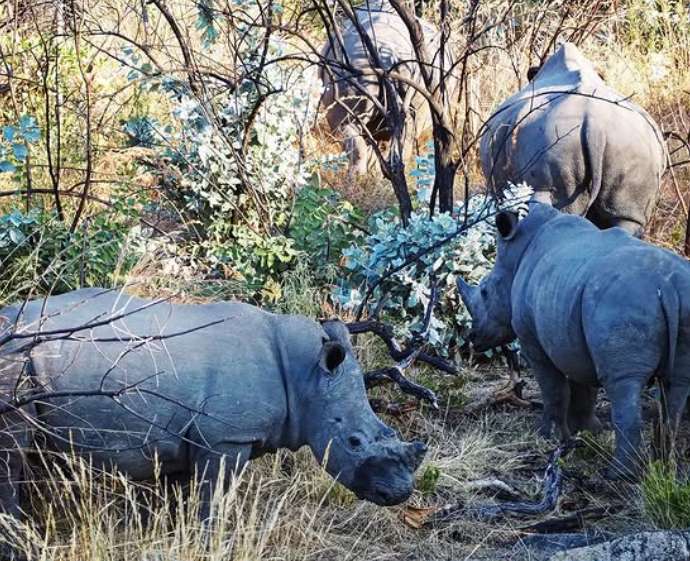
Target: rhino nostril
(387, 433)
(354, 442)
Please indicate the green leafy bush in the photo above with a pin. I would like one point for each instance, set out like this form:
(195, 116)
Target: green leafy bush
(37, 250)
(457, 251)
(323, 225)
(233, 168)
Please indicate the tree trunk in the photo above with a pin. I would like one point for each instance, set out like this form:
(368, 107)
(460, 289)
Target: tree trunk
(687, 237)
(397, 176)
(445, 167)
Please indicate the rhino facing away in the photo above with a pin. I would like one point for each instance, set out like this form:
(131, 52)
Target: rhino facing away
(228, 382)
(350, 111)
(567, 132)
(590, 308)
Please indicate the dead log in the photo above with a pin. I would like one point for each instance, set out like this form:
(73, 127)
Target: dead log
(395, 374)
(394, 409)
(575, 521)
(499, 489)
(511, 393)
(402, 351)
(553, 486)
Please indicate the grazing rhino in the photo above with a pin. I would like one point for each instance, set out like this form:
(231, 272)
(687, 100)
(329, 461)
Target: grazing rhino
(192, 385)
(590, 308)
(350, 111)
(567, 132)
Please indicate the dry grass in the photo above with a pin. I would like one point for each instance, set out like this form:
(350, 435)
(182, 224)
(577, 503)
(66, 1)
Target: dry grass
(285, 507)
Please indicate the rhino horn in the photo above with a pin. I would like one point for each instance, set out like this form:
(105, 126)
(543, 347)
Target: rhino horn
(415, 452)
(466, 290)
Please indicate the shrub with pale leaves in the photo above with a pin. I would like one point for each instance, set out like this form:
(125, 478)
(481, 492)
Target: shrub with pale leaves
(463, 244)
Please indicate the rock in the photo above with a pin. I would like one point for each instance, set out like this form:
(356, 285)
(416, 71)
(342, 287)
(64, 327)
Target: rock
(645, 546)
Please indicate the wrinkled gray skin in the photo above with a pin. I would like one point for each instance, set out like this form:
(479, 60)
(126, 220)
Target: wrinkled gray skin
(567, 132)
(348, 109)
(235, 390)
(590, 308)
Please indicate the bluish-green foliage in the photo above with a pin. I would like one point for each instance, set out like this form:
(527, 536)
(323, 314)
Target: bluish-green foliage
(15, 139)
(390, 247)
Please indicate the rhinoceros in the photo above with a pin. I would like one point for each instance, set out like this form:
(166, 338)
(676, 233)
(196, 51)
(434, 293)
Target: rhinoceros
(125, 380)
(350, 112)
(598, 153)
(590, 308)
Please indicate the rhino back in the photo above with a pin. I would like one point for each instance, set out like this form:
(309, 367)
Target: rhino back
(202, 383)
(575, 284)
(557, 140)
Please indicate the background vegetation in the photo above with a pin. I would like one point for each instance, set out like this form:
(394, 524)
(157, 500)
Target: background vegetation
(176, 147)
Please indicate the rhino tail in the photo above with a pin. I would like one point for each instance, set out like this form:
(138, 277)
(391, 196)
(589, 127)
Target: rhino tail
(671, 307)
(594, 144)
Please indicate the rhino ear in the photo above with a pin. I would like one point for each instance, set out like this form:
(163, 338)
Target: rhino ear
(506, 223)
(332, 355)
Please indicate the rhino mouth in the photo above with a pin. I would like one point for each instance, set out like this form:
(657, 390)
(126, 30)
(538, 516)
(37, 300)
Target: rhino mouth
(384, 481)
(385, 494)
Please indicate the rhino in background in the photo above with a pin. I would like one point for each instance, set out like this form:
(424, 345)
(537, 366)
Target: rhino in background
(590, 308)
(248, 383)
(348, 110)
(567, 132)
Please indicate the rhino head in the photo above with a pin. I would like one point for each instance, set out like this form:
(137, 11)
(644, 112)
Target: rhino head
(489, 304)
(344, 433)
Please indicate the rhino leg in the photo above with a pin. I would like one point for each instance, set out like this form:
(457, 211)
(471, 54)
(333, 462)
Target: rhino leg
(555, 391)
(218, 466)
(583, 400)
(356, 149)
(625, 395)
(16, 436)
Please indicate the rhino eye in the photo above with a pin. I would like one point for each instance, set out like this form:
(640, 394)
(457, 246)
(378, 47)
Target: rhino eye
(484, 292)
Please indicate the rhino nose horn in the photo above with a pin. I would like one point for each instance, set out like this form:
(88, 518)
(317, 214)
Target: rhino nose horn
(466, 291)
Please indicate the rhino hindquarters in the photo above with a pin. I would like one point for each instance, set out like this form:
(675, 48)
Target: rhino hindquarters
(581, 416)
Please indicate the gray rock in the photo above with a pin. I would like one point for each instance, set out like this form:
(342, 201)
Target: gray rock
(645, 546)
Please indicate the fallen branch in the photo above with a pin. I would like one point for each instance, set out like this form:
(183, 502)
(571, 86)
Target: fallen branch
(395, 374)
(412, 346)
(574, 521)
(397, 350)
(511, 393)
(499, 489)
(395, 409)
(553, 485)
